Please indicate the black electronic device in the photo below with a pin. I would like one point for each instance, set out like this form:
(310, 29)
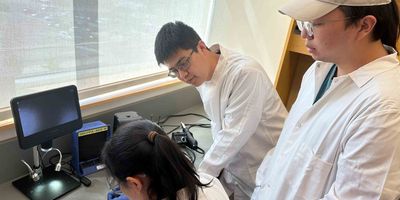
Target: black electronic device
(87, 144)
(191, 142)
(121, 118)
(184, 138)
(39, 118)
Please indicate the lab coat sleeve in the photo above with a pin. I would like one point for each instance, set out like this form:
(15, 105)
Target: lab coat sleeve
(369, 165)
(241, 117)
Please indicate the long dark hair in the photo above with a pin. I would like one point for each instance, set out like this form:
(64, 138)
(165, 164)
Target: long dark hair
(387, 25)
(132, 151)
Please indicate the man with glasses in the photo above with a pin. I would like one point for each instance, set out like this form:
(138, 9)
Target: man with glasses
(246, 112)
(341, 139)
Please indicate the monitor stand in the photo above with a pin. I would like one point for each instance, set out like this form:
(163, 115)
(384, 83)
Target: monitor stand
(51, 186)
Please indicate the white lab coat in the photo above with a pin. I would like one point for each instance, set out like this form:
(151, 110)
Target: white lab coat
(346, 145)
(247, 117)
(214, 191)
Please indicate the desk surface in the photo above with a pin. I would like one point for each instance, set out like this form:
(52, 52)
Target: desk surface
(99, 188)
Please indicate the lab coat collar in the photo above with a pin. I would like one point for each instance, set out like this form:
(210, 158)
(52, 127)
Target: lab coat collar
(365, 73)
(362, 75)
(215, 48)
(321, 70)
(221, 62)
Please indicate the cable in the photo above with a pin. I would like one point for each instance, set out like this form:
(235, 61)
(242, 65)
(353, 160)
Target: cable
(168, 125)
(63, 162)
(68, 170)
(58, 165)
(182, 138)
(199, 125)
(199, 150)
(71, 170)
(176, 127)
(40, 155)
(189, 153)
(161, 122)
(182, 115)
(33, 175)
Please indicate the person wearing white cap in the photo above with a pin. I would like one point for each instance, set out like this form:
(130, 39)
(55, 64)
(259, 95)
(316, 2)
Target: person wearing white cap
(341, 139)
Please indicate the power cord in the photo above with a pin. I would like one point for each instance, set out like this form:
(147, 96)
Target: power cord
(189, 153)
(181, 115)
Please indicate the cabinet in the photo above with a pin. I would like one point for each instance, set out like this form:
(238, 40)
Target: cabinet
(294, 62)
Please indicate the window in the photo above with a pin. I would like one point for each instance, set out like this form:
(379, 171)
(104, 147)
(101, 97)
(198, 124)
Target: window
(46, 44)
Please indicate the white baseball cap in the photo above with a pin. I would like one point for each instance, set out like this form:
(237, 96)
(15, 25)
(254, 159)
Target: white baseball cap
(308, 10)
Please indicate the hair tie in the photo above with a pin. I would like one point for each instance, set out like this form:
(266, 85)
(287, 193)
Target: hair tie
(151, 136)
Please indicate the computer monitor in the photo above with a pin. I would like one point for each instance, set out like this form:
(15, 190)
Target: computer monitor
(90, 146)
(87, 144)
(41, 117)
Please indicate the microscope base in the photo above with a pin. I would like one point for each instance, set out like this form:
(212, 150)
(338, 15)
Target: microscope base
(51, 186)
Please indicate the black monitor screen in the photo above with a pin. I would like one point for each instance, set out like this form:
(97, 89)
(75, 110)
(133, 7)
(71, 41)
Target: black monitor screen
(90, 146)
(43, 116)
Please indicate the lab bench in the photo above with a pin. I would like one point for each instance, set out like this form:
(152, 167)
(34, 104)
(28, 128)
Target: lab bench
(99, 187)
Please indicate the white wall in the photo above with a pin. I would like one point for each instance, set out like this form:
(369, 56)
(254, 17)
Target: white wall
(252, 27)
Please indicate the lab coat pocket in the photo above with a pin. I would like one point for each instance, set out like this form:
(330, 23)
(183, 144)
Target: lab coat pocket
(315, 171)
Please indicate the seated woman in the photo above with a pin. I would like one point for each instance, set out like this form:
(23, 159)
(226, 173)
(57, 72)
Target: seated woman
(148, 165)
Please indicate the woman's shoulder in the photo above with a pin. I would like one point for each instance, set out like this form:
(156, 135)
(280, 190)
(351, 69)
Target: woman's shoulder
(205, 178)
(214, 190)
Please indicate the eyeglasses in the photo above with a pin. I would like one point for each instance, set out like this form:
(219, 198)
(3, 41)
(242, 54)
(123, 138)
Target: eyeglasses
(183, 65)
(309, 27)
(113, 185)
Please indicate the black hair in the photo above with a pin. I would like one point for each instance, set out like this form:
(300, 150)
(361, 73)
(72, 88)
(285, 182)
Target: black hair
(172, 37)
(132, 151)
(387, 25)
